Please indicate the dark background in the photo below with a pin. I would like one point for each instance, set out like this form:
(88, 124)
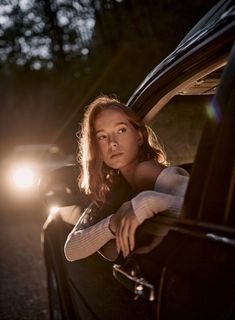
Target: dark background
(56, 56)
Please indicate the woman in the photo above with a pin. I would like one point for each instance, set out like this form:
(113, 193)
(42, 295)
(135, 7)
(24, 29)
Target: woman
(114, 142)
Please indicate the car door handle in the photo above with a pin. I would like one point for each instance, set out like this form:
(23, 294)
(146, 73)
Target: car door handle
(138, 285)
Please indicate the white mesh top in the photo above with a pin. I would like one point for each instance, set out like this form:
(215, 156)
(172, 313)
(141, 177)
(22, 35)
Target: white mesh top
(168, 194)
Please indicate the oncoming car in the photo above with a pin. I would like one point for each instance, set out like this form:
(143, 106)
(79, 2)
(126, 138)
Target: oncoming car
(188, 99)
(23, 168)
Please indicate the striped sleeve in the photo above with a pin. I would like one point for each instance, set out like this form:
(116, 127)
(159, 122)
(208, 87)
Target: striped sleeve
(82, 243)
(170, 189)
(148, 203)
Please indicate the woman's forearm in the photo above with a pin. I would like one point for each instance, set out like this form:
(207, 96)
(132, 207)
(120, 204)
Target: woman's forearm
(82, 243)
(169, 192)
(148, 203)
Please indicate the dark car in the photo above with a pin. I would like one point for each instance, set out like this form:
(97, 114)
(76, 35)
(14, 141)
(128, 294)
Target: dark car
(189, 100)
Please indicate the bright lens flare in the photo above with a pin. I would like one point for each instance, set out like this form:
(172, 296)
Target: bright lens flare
(214, 112)
(23, 177)
(54, 210)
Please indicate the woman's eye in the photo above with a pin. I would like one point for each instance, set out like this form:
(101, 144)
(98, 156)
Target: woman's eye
(121, 130)
(99, 138)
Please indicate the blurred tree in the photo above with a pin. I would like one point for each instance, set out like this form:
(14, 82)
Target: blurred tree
(56, 55)
(44, 34)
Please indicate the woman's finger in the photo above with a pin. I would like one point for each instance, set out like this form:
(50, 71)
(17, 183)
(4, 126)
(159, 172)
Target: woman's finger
(120, 238)
(119, 246)
(132, 236)
(123, 237)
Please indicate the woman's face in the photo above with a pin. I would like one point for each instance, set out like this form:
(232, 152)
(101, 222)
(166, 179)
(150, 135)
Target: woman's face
(117, 139)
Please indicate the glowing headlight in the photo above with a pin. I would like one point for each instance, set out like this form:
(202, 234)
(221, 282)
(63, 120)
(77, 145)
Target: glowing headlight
(24, 177)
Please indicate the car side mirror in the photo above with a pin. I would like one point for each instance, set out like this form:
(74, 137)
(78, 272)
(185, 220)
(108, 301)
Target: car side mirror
(59, 187)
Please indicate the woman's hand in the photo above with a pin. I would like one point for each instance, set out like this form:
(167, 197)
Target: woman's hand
(124, 224)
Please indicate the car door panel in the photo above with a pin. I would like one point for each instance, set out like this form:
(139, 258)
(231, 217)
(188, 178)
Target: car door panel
(197, 273)
(99, 295)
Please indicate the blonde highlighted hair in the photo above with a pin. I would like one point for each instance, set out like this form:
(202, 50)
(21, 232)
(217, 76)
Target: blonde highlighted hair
(96, 177)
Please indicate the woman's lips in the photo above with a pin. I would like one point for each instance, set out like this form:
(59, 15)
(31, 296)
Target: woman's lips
(115, 155)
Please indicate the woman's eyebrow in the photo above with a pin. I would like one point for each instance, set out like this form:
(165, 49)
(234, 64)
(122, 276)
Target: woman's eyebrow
(115, 125)
(120, 123)
(100, 130)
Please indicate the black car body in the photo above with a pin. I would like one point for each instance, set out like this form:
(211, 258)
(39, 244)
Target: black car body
(190, 274)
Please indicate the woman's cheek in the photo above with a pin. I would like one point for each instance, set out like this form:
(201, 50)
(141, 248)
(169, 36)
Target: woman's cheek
(104, 152)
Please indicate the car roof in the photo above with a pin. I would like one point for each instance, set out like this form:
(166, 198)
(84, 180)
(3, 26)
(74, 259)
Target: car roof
(194, 67)
(219, 10)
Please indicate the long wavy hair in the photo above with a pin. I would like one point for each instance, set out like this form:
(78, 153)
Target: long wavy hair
(96, 177)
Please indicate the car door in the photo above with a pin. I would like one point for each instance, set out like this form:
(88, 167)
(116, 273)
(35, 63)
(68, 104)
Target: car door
(190, 274)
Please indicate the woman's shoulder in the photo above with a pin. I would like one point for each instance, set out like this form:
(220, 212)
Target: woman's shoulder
(171, 179)
(149, 165)
(173, 171)
(146, 174)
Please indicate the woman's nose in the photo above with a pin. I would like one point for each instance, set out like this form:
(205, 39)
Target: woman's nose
(113, 142)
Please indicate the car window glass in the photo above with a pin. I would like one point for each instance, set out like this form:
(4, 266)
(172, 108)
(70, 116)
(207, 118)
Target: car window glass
(179, 127)
(211, 198)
